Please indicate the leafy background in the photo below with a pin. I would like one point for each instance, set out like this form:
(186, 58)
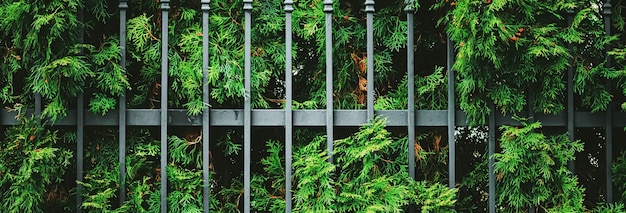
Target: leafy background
(514, 53)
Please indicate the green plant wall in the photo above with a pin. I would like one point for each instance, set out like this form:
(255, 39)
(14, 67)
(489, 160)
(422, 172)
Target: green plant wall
(515, 54)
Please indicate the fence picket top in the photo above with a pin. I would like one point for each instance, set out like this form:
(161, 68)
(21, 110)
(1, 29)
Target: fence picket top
(205, 5)
(328, 5)
(165, 4)
(369, 5)
(409, 7)
(288, 5)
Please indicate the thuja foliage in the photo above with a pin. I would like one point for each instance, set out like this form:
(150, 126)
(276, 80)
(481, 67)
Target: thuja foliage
(81, 54)
(505, 48)
(368, 175)
(60, 48)
(430, 92)
(269, 187)
(610, 208)
(619, 51)
(431, 156)
(619, 176)
(101, 182)
(64, 62)
(33, 164)
(184, 173)
(226, 52)
(532, 170)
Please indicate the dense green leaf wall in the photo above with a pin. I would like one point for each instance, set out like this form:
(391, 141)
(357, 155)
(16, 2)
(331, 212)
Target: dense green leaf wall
(515, 54)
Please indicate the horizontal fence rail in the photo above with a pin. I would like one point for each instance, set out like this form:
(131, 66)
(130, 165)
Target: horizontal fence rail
(328, 118)
(276, 117)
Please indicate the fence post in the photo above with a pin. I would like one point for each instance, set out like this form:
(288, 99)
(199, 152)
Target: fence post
(206, 190)
(451, 116)
(247, 7)
(288, 104)
(411, 90)
(123, 5)
(570, 95)
(37, 104)
(165, 7)
(80, 139)
(411, 87)
(328, 10)
(491, 160)
(606, 15)
(80, 130)
(531, 118)
(369, 9)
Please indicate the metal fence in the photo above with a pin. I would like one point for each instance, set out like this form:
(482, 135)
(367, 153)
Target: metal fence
(329, 118)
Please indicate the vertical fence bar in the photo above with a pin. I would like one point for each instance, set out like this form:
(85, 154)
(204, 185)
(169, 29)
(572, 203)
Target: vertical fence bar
(80, 139)
(492, 149)
(123, 5)
(328, 10)
(80, 131)
(205, 110)
(531, 118)
(410, 66)
(369, 9)
(411, 93)
(451, 116)
(165, 7)
(37, 104)
(571, 165)
(247, 7)
(288, 103)
(531, 99)
(609, 110)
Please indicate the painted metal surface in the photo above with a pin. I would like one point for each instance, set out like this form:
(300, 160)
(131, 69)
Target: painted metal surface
(310, 118)
(328, 10)
(451, 115)
(205, 112)
(570, 96)
(80, 151)
(247, 8)
(288, 104)
(165, 7)
(80, 128)
(492, 148)
(369, 9)
(411, 87)
(123, 6)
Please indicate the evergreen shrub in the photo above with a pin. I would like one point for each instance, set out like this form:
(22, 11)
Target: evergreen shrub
(515, 54)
